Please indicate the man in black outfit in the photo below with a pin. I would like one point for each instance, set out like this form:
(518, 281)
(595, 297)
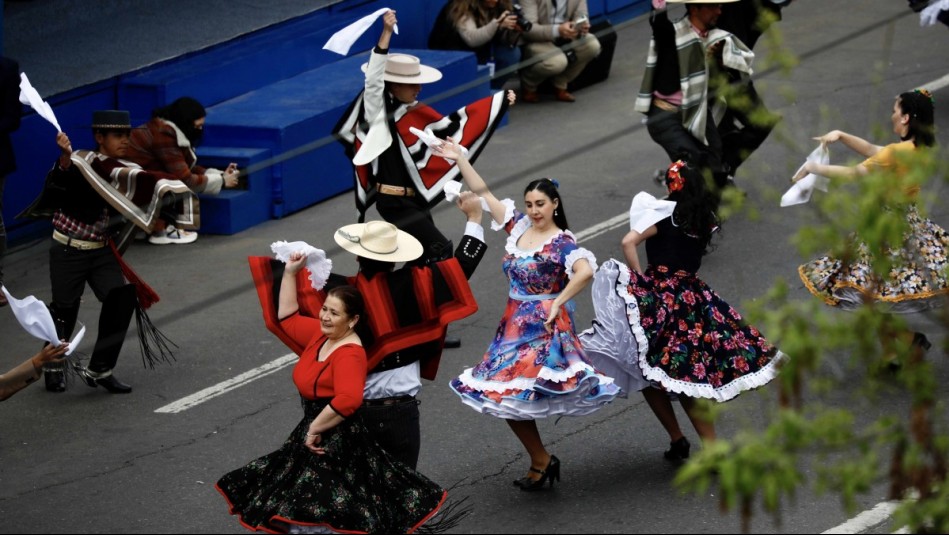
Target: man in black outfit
(10, 111)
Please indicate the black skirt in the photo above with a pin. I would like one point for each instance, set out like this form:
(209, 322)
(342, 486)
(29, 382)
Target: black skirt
(356, 487)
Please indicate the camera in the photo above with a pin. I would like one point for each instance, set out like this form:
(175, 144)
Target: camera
(522, 21)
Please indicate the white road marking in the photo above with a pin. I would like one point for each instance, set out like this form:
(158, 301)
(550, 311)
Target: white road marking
(867, 519)
(937, 84)
(212, 392)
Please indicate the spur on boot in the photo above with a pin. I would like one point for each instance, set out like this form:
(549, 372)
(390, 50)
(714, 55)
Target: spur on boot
(678, 450)
(552, 472)
(55, 377)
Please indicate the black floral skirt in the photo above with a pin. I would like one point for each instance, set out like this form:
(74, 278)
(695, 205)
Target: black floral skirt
(355, 488)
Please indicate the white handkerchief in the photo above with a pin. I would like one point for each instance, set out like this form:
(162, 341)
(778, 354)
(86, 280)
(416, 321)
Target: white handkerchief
(341, 41)
(801, 191)
(316, 261)
(30, 97)
(646, 210)
(929, 16)
(430, 139)
(453, 191)
(35, 318)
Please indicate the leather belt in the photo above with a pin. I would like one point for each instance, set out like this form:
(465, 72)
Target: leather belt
(397, 191)
(663, 105)
(382, 402)
(82, 245)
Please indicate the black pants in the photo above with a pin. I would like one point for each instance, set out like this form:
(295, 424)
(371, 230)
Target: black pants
(396, 428)
(742, 130)
(410, 216)
(70, 269)
(665, 128)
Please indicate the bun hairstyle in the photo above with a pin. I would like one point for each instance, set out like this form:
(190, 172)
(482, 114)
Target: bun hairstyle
(695, 211)
(549, 187)
(919, 105)
(184, 112)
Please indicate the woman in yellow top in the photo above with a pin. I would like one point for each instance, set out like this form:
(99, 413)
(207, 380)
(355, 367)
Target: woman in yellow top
(919, 267)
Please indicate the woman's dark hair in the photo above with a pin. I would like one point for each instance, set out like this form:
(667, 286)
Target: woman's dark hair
(351, 299)
(184, 112)
(549, 188)
(477, 11)
(918, 105)
(696, 205)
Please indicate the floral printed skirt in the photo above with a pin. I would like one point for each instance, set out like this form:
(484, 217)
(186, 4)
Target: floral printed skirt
(528, 373)
(355, 488)
(672, 329)
(917, 276)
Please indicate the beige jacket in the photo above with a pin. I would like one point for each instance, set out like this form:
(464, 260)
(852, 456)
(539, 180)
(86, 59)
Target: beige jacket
(540, 12)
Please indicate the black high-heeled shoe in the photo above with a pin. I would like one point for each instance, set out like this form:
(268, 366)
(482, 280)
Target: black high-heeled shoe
(678, 450)
(920, 340)
(551, 473)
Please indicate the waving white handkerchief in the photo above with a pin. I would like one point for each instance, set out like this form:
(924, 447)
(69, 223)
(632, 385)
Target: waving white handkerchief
(30, 97)
(343, 40)
(35, 318)
(929, 15)
(316, 261)
(430, 139)
(801, 191)
(453, 191)
(646, 210)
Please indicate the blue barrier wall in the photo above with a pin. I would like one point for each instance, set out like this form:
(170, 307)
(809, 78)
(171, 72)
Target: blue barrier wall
(260, 69)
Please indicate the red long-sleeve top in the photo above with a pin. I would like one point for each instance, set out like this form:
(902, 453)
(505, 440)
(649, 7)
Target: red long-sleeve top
(342, 376)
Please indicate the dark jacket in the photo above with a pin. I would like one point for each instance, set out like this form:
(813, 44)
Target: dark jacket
(10, 111)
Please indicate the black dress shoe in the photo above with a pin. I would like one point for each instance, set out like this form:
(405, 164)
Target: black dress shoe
(55, 379)
(113, 385)
(452, 343)
(678, 450)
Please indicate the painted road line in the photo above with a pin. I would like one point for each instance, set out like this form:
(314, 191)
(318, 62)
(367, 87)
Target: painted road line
(937, 84)
(212, 392)
(867, 519)
(602, 228)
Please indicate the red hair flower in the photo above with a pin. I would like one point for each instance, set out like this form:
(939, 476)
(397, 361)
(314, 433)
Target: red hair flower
(674, 178)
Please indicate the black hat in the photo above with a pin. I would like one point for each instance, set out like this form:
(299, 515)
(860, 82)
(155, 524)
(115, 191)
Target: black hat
(111, 120)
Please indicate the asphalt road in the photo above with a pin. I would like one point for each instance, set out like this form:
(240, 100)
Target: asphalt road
(85, 461)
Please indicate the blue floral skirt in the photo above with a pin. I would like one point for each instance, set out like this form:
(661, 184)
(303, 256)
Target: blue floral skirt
(917, 277)
(355, 488)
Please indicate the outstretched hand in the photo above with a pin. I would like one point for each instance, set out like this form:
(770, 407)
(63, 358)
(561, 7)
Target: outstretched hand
(449, 149)
(830, 137)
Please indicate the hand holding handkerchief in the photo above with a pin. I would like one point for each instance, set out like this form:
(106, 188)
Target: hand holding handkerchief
(34, 317)
(316, 261)
(30, 97)
(453, 192)
(341, 41)
(431, 140)
(646, 210)
(801, 191)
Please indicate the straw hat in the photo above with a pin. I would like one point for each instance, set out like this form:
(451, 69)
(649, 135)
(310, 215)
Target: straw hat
(378, 240)
(406, 69)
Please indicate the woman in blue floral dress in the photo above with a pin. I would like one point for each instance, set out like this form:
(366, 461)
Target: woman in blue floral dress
(917, 278)
(663, 328)
(535, 366)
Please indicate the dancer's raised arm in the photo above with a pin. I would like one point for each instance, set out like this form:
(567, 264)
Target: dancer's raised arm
(452, 151)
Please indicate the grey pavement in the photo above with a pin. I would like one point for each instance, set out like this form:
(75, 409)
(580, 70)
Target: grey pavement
(85, 461)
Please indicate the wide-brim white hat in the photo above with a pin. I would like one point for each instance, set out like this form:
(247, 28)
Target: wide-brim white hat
(407, 69)
(378, 240)
(700, 1)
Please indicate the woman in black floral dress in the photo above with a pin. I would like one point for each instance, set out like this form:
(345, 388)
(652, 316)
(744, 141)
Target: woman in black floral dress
(329, 475)
(664, 330)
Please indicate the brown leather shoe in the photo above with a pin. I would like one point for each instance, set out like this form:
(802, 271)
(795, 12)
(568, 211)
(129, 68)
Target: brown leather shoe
(564, 96)
(530, 96)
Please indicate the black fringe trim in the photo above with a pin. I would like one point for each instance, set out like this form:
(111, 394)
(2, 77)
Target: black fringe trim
(156, 348)
(451, 514)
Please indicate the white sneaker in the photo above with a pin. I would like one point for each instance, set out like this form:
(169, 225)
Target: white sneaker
(173, 235)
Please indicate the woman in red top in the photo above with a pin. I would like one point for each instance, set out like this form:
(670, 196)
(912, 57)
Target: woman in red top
(329, 473)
